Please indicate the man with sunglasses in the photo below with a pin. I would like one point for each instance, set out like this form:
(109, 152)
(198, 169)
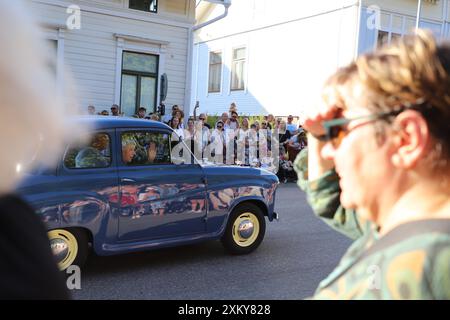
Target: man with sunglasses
(202, 117)
(377, 169)
(115, 110)
(217, 145)
(202, 135)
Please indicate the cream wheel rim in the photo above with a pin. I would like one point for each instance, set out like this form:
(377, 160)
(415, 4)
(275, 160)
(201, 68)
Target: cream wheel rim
(64, 246)
(245, 229)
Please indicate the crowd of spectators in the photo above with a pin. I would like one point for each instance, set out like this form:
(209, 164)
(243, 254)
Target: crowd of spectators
(233, 139)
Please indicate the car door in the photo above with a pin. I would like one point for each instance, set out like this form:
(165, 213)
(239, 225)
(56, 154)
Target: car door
(158, 199)
(88, 186)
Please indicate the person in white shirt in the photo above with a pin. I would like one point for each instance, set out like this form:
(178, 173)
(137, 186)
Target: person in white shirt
(225, 120)
(180, 115)
(290, 126)
(175, 125)
(218, 143)
(243, 143)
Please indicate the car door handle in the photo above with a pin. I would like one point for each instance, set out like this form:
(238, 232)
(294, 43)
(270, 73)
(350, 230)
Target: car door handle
(127, 180)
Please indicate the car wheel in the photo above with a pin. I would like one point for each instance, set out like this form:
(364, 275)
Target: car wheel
(245, 229)
(70, 247)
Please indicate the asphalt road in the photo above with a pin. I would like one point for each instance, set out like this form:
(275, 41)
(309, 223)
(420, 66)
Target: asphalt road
(297, 252)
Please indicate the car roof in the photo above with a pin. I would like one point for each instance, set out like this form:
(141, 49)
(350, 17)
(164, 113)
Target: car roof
(108, 122)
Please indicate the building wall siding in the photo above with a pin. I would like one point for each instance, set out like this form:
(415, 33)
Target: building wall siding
(400, 17)
(287, 61)
(91, 52)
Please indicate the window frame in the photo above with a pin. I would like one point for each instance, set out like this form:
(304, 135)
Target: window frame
(141, 130)
(389, 33)
(139, 75)
(220, 70)
(232, 71)
(111, 162)
(155, 11)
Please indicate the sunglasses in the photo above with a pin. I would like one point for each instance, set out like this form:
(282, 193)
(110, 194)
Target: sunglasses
(203, 119)
(336, 130)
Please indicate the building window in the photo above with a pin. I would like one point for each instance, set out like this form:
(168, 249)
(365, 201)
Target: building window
(385, 38)
(238, 69)
(95, 153)
(215, 71)
(52, 61)
(395, 36)
(143, 148)
(144, 5)
(139, 82)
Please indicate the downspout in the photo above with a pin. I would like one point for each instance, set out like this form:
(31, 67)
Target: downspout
(444, 19)
(187, 92)
(358, 30)
(419, 10)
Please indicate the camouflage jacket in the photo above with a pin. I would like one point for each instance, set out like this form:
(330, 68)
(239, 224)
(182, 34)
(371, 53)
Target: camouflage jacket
(416, 267)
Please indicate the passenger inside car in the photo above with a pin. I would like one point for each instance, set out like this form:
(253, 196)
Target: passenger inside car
(128, 151)
(95, 155)
(151, 152)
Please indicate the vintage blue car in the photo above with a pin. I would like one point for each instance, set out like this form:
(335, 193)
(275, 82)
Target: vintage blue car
(121, 192)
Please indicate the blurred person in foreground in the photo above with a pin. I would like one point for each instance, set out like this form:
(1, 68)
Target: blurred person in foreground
(27, 266)
(377, 169)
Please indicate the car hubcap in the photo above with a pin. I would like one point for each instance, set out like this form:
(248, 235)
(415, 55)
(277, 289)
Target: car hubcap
(245, 229)
(64, 247)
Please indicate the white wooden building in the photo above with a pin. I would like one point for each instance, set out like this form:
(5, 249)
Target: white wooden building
(121, 49)
(273, 56)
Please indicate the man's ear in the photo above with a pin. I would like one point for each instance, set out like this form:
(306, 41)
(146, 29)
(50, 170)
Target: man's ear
(411, 139)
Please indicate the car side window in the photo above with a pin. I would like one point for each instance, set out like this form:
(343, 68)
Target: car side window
(142, 148)
(94, 153)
